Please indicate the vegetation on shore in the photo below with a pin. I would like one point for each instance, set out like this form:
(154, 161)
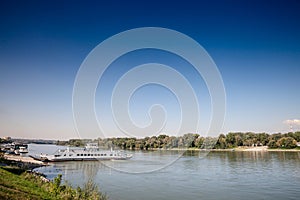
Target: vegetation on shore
(195, 141)
(19, 183)
(29, 185)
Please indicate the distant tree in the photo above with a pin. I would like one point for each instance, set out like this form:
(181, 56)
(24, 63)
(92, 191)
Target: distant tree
(231, 140)
(263, 138)
(174, 142)
(130, 143)
(296, 136)
(221, 143)
(76, 142)
(248, 142)
(275, 136)
(199, 142)
(209, 143)
(238, 139)
(272, 144)
(189, 139)
(153, 142)
(161, 137)
(287, 142)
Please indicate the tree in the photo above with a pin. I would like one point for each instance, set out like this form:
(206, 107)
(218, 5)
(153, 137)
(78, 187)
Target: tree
(263, 138)
(272, 144)
(296, 136)
(275, 136)
(130, 144)
(199, 142)
(221, 143)
(287, 142)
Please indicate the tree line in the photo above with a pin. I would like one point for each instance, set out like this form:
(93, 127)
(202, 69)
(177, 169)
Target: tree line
(196, 141)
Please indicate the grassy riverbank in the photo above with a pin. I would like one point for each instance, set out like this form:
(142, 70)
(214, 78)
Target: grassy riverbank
(17, 181)
(15, 184)
(23, 186)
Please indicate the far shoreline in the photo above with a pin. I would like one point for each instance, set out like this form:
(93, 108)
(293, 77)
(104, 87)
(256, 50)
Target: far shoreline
(236, 149)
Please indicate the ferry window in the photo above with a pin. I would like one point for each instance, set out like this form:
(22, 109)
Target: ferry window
(89, 154)
(70, 154)
(77, 154)
(110, 154)
(84, 154)
(101, 154)
(105, 154)
(64, 154)
(92, 154)
(81, 154)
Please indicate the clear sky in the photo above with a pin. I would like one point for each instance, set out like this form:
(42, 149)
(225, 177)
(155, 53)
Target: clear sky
(255, 44)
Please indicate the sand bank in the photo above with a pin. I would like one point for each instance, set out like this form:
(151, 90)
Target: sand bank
(25, 160)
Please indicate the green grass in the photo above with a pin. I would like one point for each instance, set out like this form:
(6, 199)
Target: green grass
(13, 186)
(17, 185)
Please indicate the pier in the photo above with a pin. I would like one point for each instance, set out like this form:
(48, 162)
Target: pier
(26, 162)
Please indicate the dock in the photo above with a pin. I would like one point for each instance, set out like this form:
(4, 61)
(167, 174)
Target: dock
(23, 161)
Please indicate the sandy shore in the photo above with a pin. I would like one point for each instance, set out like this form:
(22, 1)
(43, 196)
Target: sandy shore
(24, 159)
(262, 148)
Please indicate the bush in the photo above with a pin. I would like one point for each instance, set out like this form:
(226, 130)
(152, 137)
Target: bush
(90, 191)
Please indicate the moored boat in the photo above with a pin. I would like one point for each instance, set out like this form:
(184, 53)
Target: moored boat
(15, 148)
(90, 152)
(23, 150)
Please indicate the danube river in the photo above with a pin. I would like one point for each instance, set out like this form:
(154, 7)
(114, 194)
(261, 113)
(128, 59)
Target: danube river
(169, 175)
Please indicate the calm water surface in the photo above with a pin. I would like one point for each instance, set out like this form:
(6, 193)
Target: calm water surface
(218, 175)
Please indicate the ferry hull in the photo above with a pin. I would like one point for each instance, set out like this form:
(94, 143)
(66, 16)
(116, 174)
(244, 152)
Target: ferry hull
(91, 152)
(79, 159)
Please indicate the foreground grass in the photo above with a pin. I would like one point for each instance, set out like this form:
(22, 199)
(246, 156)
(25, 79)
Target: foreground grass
(30, 186)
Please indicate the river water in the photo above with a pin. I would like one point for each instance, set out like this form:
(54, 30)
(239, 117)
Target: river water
(172, 175)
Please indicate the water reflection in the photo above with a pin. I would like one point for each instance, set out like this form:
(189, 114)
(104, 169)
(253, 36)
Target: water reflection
(88, 169)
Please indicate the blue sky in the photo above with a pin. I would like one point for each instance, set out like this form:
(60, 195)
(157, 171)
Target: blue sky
(255, 44)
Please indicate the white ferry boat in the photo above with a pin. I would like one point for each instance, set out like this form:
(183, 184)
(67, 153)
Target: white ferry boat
(90, 152)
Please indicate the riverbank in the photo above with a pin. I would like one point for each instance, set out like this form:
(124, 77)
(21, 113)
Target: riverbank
(17, 181)
(260, 148)
(23, 159)
(27, 163)
(28, 185)
(241, 148)
(21, 186)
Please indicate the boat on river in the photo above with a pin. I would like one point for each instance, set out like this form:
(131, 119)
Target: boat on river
(90, 152)
(15, 148)
(21, 150)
